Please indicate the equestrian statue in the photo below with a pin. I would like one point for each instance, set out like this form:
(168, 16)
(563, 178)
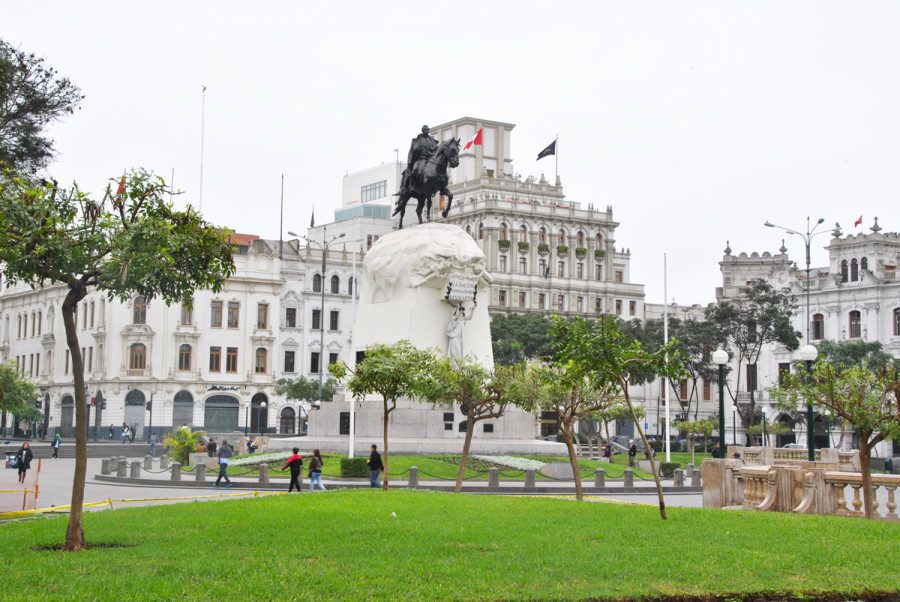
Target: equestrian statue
(426, 174)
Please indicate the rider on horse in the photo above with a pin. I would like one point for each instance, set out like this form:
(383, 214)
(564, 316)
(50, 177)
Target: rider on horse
(420, 150)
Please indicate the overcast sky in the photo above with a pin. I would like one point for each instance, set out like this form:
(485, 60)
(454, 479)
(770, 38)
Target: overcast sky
(695, 121)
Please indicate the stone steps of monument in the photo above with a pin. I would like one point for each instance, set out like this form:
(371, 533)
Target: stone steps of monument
(42, 450)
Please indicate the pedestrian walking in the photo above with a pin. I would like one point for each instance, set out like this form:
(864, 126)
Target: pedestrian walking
(315, 471)
(223, 454)
(154, 439)
(295, 463)
(632, 452)
(23, 460)
(607, 451)
(56, 444)
(133, 432)
(112, 431)
(125, 430)
(375, 467)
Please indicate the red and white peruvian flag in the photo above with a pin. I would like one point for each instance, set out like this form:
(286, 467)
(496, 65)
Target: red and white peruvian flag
(476, 139)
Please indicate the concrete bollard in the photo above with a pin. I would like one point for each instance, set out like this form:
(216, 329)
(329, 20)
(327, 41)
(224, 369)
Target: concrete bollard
(629, 477)
(263, 473)
(679, 477)
(695, 479)
(529, 478)
(599, 478)
(494, 478)
(176, 471)
(163, 462)
(200, 473)
(413, 476)
(688, 470)
(121, 468)
(105, 467)
(148, 462)
(135, 470)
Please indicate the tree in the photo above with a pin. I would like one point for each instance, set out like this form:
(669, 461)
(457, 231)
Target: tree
(695, 428)
(391, 371)
(866, 398)
(760, 317)
(517, 338)
(482, 394)
(17, 394)
(615, 412)
(567, 389)
(305, 389)
(32, 96)
(131, 243)
(608, 357)
(182, 442)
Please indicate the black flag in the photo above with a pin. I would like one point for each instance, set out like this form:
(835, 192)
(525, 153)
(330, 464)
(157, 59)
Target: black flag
(550, 150)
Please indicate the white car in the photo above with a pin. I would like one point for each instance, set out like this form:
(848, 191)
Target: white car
(794, 446)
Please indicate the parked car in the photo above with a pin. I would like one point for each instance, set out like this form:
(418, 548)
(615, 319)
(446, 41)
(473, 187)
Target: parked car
(794, 446)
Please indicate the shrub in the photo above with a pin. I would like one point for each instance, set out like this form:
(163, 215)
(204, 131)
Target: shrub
(582, 438)
(354, 467)
(543, 248)
(562, 249)
(504, 244)
(182, 442)
(667, 469)
(599, 253)
(524, 246)
(580, 252)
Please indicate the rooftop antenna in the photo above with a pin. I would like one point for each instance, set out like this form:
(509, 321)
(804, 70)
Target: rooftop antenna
(202, 135)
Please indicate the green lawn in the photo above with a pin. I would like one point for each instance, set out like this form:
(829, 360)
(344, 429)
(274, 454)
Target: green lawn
(350, 545)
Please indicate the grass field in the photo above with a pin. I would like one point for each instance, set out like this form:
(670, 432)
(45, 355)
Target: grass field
(415, 545)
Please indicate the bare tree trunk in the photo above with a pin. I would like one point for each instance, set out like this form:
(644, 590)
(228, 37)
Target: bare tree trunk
(573, 459)
(75, 531)
(865, 467)
(659, 491)
(387, 413)
(470, 427)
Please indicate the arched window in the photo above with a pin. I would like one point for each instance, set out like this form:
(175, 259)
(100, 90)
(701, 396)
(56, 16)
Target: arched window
(897, 322)
(287, 421)
(561, 238)
(504, 232)
(469, 229)
(183, 409)
(140, 311)
(184, 357)
(580, 240)
(480, 231)
(844, 271)
(335, 284)
(864, 263)
(818, 327)
(260, 366)
(317, 283)
(137, 359)
(854, 270)
(350, 286)
(598, 240)
(523, 233)
(855, 330)
(542, 236)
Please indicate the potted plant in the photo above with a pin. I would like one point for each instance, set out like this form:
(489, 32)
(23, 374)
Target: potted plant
(524, 246)
(599, 253)
(580, 252)
(543, 248)
(562, 249)
(504, 244)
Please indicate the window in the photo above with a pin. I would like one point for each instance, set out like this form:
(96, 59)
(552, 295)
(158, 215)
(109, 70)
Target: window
(290, 317)
(140, 311)
(469, 230)
(579, 239)
(523, 265)
(33, 319)
(335, 285)
(707, 390)
(542, 236)
(317, 283)
(215, 359)
(523, 233)
(864, 264)
(502, 301)
(818, 327)
(231, 359)
(488, 428)
(370, 192)
(350, 286)
(187, 315)
(40, 320)
(854, 324)
(522, 300)
(844, 270)
(316, 319)
(84, 317)
(618, 307)
(332, 358)
(541, 301)
(314, 362)
(333, 319)
(683, 392)
(632, 308)
(751, 377)
(262, 315)
(561, 269)
(619, 276)
(561, 238)
(854, 270)
(260, 366)
(579, 271)
(137, 358)
(184, 357)
(215, 315)
(501, 263)
(92, 318)
(480, 231)
(90, 362)
(561, 302)
(504, 233)
(579, 304)
(784, 368)
(897, 322)
(288, 361)
(234, 310)
(598, 305)
(543, 269)
(369, 241)
(598, 240)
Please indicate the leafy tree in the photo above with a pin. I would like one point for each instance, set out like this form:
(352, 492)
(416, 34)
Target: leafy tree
(132, 242)
(517, 338)
(761, 316)
(305, 389)
(868, 399)
(482, 394)
(769, 429)
(32, 96)
(695, 428)
(182, 442)
(391, 371)
(17, 394)
(615, 412)
(566, 388)
(608, 358)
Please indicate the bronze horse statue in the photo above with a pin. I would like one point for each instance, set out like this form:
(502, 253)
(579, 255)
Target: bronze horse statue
(422, 185)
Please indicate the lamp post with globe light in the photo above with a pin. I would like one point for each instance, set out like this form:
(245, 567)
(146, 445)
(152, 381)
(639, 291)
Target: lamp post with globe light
(808, 353)
(720, 357)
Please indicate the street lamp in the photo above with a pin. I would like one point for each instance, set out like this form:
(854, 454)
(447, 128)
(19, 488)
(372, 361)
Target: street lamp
(720, 357)
(246, 418)
(323, 245)
(765, 440)
(808, 353)
(259, 418)
(734, 423)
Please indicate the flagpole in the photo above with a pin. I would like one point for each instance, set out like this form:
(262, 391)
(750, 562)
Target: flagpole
(202, 137)
(666, 341)
(556, 160)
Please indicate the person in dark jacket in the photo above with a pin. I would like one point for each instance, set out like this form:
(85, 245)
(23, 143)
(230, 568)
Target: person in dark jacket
(295, 463)
(23, 460)
(211, 448)
(632, 452)
(315, 471)
(56, 444)
(224, 453)
(375, 467)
